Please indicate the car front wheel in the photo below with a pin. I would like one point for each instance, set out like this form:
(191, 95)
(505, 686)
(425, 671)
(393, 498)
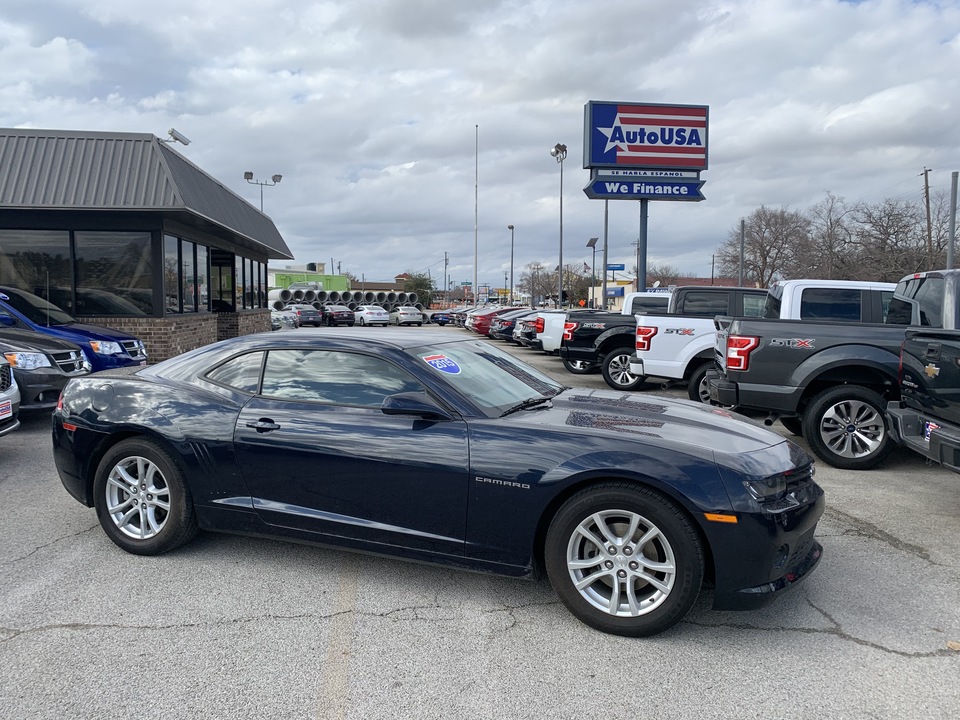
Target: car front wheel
(616, 371)
(142, 500)
(845, 427)
(624, 559)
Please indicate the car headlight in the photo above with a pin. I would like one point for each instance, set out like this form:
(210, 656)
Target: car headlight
(27, 361)
(105, 347)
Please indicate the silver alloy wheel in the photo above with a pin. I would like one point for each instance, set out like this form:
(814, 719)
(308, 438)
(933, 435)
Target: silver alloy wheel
(852, 429)
(703, 390)
(621, 563)
(138, 499)
(619, 369)
(580, 364)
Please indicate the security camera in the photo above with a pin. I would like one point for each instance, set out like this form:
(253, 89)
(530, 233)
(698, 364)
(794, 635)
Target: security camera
(178, 136)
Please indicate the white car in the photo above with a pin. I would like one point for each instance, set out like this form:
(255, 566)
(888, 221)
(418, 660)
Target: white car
(406, 315)
(371, 315)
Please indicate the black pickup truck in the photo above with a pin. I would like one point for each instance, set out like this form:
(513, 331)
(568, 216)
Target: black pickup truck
(927, 417)
(608, 340)
(831, 380)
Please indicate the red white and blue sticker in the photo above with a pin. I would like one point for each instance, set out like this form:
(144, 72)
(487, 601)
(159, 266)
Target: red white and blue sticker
(6, 408)
(442, 363)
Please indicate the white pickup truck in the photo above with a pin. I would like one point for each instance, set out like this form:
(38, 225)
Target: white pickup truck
(680, 347)
(550, 332)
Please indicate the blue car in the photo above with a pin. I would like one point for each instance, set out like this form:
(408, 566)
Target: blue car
(424, 448)
(105, 348)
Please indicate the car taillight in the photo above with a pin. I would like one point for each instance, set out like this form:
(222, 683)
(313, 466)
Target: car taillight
(644, 335)
(538, 325)
(739, 348)
(568, 328)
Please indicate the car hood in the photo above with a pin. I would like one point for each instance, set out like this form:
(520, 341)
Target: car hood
(32, 341)
(89, 332)
(692, 427)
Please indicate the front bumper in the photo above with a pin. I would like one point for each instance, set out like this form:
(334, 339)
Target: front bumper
(782, 553)
(40, 389)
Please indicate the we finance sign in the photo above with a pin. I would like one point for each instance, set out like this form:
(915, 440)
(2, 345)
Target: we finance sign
(645, 135)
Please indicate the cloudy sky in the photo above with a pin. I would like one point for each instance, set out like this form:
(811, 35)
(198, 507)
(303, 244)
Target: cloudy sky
(394, 121)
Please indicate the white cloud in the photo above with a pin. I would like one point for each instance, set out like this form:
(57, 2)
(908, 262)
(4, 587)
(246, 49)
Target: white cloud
(368, 109)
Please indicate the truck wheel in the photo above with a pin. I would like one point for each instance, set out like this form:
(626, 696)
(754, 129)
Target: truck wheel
(579, 367)
(616, 370)
(697, 388)
(845, 428)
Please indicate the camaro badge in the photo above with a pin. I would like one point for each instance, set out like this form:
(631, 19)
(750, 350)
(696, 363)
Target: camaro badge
(931, 370)
(442, 363)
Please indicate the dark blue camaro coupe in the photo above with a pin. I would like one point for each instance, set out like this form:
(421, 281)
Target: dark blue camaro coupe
(453, 452)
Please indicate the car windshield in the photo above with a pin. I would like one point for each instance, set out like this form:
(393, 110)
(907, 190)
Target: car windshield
(35, 309)
(486, 375)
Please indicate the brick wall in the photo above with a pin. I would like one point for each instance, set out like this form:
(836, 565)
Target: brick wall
(166, 337)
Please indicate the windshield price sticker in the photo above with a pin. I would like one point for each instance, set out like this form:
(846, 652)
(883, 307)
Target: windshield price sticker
(442, 363)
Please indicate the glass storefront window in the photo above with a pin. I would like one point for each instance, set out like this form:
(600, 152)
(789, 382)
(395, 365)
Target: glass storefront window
(171, 274)
(239, 283)
(203, 279)
(188, 275)
(114, 273)
(38, 261)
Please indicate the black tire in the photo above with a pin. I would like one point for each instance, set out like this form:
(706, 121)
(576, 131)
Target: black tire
(845, 427)
(696, 387)
(579, 367)
(349, 324)
(164, 528)
(616, 370)
(676, 548)
(363, 322)
(794, 425)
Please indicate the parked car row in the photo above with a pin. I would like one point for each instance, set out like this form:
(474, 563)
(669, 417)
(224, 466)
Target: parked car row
(42, 347)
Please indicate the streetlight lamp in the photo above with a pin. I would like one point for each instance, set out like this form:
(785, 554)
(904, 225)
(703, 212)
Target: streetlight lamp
(592, 244)
(559, 151)
(510, 228)
(248, 176)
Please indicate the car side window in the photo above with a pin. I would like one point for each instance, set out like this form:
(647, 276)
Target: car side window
(930, 298)
(831, 304)
(241, 372)
(706, 303)
(332, 377)
(753, 305)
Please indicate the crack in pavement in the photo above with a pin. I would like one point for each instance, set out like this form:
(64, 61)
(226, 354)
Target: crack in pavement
(836, 630)
(37, 549)
(14, 633)
(867, 529)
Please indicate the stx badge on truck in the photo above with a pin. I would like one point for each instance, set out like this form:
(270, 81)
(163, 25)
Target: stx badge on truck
(802, 343)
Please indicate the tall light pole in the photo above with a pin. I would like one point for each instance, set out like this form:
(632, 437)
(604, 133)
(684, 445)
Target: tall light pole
(592, 244)
(248, 176)
(559, 151)
(510, 228)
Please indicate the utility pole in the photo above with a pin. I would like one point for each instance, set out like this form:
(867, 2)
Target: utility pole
(926, 197)
(446, 262)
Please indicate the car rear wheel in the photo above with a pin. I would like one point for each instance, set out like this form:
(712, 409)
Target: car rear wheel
(362, 322)
(616, 371)
(624, 559)
(142, 500)
(846, 429)
(697, 388)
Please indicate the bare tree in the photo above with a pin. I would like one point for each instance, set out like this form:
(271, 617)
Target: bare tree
(665, 274)
(889, 240)
(827, 254)
(771, 238)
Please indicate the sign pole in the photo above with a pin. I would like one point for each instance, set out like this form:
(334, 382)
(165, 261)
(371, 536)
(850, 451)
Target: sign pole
(642, 246)
(606, 228)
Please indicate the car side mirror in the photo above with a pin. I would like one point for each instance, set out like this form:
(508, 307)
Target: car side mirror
(413, 403)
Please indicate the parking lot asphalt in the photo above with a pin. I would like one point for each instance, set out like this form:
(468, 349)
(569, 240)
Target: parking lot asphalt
(239, 627)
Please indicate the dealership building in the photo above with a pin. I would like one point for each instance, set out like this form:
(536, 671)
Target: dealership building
(121, 230)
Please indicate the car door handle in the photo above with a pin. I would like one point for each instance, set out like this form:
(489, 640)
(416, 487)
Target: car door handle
(263, 425)
(933, 351)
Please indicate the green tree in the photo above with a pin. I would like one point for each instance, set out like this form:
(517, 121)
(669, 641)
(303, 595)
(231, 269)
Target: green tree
(421, 284)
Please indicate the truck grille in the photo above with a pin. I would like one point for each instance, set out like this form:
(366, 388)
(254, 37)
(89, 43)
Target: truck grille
(69, 362)
(134, 348)
(6, 378)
